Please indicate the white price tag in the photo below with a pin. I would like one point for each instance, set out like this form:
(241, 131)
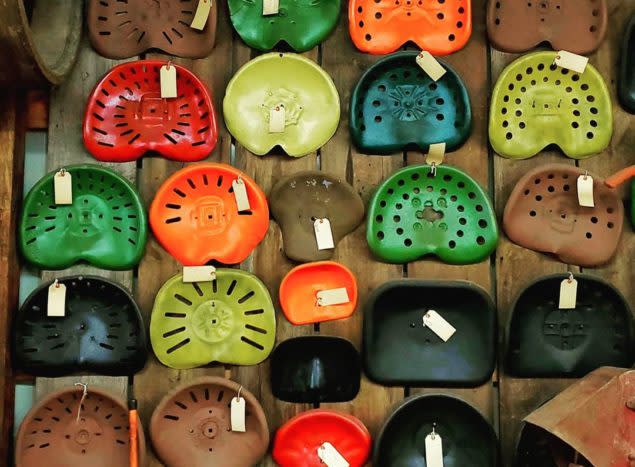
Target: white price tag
(167, 75)
(201, 15)
(240, 193)
(430, 65)
(571, 61)
(438, 325)
(63, 187)
(276, 119)
(238, 414)
(434, 450)
(585, 191)
(436, 154)
(568, 294)
(270, 7)
(198, 274)
(330, 456)
(323, 234)
(332, 297)
(56, 305)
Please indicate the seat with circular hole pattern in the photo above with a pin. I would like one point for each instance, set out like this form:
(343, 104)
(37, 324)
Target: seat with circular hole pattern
(197, 203)
(415, 213)
(396, 106)
(545, 341)
(126, 117)
(105, 226)
(230, 320)
(302, 24)
(543, 214)
(101, 331)
(383, 26)
(536, 103)
(191, 426)
(123, 29)
(577, 26)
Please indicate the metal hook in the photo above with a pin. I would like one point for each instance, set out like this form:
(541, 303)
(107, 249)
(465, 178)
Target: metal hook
(434, 431)
(570, 277)
(62, 172)
(433, 170)
(57, 286)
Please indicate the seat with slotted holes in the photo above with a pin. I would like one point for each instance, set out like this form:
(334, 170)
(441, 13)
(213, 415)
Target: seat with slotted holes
(229, 320)
(536, 103)
(383, 26)
(105, 225)
(197, 203)
(126, 117)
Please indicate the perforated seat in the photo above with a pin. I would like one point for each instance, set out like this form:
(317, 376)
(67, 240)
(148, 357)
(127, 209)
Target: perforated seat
(536, 103)
(414, 213)
(126, 117)
(230, 320)
(396, 106)
(104, 226)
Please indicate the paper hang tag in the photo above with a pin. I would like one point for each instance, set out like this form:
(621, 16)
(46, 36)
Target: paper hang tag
(56, 304)
(270, 7)
(436, 154)
(438, 325)
(240, 193)
(568, 294)
(434, 450)
(330, 456)
(238, 414)
(167, 76)
(198, 274)
(585, 191)
(430, 65)
(63, 187)
(276, 119)
(323, 234)
(571, 61)
(332, 297)
(201, 15)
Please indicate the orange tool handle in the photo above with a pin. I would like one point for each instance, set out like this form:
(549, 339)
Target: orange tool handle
(133, 421)
(620, 177)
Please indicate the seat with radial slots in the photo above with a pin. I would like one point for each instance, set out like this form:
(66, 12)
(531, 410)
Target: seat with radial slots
(305, 91)
(380, 27)
(393, 327)
(191, 426)
(396, 106)
(298, 440)
(123, 29)
(543, 214)
(126, 117)
(230, 320)
(545, 341)
(300, 288)
(626, 72)
(578, 26)
(414, 213)
(299, 199)
(312, 369)
(197, 203)
(536, 103)
(101, 331)
(467, 437)
(105, 226)
(302, 24)
(52, 435)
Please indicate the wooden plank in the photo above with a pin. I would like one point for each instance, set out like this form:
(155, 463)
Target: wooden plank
(37, 102)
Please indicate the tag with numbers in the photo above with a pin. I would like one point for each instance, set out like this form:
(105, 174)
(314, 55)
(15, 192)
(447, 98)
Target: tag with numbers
(430, 65)
(332, 297)
(238, 414)
(63, 187)
(201, 15)
(331, 456)
(198, 274)
(323, 234)
(240, 193)
(167, 75)
(270, 7)
(276, 119)
(434, 450)
(585, 191)
(571, 61)
(436, 154)
(568, 294)
(56, 304)
(438, 325)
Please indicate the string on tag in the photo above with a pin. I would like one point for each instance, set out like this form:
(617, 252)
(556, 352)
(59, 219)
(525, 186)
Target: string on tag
(81, 401)
(433, 169)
